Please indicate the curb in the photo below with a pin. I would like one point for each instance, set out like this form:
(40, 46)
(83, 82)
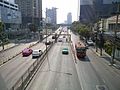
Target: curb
(17, 54)
(116, 65)
(9, 48)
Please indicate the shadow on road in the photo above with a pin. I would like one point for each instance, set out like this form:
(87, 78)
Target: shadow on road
(86, 59)
(67, 73)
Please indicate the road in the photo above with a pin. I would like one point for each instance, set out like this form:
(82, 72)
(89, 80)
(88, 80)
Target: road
(14, 69)
(62, 74)
(5, 55)
(11, 71)
(91, 73)
(94, 72)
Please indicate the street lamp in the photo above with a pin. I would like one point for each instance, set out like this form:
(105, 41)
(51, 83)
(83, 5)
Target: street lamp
(44, 25)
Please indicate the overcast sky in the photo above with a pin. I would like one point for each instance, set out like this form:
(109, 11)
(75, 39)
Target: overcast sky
(64, 6)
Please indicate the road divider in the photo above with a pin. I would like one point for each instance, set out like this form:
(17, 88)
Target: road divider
(73, 52)
(25, 79)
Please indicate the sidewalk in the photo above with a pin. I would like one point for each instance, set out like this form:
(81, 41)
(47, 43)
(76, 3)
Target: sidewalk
(8, 46)
(107, 57)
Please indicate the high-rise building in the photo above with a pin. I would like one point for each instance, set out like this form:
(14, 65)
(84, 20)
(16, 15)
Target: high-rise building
(51, 14)
(92, 10)
(31, 11)
(69, 18)
(10, 15)
(87, 13)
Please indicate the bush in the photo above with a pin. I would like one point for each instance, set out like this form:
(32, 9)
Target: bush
(108, 47)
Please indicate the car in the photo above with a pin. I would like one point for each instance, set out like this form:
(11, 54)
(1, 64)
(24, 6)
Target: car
(90, 42)
(65, 51)
(27, 52)
(63, 36)
(53, 37)
(48, 43)
(36, 53)
(59, 39)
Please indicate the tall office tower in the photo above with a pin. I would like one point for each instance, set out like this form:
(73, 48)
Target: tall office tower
(92, 10)
(69, 18)
(31, 11)
(51, 15)
(87, 14)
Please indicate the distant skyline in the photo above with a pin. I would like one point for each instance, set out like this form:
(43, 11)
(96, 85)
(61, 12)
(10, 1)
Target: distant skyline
(64, 7)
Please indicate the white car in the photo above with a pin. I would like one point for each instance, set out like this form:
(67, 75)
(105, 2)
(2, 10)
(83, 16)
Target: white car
(36, 53)
(90, 42)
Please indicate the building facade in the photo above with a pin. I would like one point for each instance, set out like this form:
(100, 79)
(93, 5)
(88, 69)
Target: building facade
(31, 11)
(69, 18)
(92, 10)
(10, 15)
(51, 15)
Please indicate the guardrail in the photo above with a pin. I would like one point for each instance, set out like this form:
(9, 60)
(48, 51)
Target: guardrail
(25, 79)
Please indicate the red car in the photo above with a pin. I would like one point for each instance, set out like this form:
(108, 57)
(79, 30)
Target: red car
(27, 52)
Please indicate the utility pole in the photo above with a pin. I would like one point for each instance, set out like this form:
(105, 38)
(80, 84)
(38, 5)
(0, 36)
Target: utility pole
(115, 32)
(101, 37)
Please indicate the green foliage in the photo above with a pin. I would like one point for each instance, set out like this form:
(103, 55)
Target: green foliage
(1, 27)
(108, 47)
(3, 37)
(32, 27)
(83, 30)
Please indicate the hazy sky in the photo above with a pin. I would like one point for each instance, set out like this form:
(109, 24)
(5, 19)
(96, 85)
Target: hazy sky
(64, 6)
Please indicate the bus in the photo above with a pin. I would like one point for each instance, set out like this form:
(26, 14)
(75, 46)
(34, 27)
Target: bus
(80, 50)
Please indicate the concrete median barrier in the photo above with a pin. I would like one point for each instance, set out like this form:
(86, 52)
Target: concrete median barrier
(23, 82)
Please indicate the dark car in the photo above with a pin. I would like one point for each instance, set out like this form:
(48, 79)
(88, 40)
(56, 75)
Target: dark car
(53, 37)
(65, 51)
(48, 43)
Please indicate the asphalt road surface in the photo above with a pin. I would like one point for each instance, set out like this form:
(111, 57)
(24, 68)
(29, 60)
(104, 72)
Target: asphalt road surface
(11, 71)
(62, 74)
(5, 55)
(94, 73)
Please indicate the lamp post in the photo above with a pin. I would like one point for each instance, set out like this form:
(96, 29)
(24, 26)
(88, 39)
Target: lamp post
(44, 25)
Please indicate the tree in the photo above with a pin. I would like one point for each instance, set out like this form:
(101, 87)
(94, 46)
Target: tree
(81, 29)
(32, 27)
(3, 36)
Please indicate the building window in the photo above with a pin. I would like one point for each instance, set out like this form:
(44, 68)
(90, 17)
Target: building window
(6, 6)
(1, 4)
(6, 2)
(1, 0)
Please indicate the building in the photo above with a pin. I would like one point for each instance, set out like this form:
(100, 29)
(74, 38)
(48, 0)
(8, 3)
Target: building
(31, 11)
(52, 15)
(92, 10)
(87, 12)
(10, 15)
(69, 18)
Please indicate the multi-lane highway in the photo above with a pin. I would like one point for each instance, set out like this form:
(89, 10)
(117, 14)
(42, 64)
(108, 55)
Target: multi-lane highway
(62, 74)
(91, 73)
(11, 71)
(94, 72)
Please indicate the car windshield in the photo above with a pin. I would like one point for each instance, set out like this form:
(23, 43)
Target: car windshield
(35, 52)
(65, 48)
(79, 42)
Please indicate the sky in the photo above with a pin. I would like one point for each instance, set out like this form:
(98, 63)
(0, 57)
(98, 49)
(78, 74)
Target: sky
(64, 7)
